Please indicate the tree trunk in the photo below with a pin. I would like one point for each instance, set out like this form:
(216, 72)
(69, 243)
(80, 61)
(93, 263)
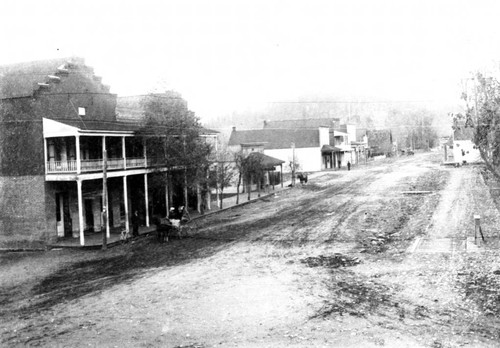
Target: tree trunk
(238, 189)
(221, 195)
(489, 165)
(249, 187)
(259, 182)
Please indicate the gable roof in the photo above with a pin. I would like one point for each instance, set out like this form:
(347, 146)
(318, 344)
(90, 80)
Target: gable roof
(312, 123)
(276, 138)
(23, 79)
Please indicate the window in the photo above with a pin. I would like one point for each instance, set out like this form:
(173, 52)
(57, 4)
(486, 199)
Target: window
(81, 111)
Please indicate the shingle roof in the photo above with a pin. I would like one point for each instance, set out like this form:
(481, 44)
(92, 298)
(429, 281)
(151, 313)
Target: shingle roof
(313, 123)
(276, 138)
(22, 79)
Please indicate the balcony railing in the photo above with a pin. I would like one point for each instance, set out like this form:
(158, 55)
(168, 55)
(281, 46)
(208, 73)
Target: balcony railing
(94, 165)
(61, 166)
(136, 162)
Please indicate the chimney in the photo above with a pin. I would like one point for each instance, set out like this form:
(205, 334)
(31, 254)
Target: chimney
(234, 128)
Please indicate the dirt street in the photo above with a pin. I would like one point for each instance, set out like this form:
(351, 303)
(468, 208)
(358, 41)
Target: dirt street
(382, 255)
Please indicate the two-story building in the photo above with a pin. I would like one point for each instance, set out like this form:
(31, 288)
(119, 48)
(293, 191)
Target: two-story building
(59, 140)
(316, 143)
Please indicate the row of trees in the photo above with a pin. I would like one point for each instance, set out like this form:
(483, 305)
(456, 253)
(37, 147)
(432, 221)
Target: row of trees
(413, 129)
(175, 139)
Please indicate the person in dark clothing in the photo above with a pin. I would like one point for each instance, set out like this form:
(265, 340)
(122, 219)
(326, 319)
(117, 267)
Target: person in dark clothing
(135, 224)
(339, 162)
(348, 165)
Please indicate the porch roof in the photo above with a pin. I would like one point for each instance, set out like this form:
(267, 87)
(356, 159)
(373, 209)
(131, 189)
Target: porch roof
(267, 162)
(67, 127)
(330, 148)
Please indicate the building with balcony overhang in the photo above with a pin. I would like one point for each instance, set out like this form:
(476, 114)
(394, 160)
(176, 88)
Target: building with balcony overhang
(59, 139)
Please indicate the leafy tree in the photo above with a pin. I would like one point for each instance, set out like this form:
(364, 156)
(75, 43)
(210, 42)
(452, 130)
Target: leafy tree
(483, 116)
(412, 128)
(223, 173)
(172, 134)
(250, 169)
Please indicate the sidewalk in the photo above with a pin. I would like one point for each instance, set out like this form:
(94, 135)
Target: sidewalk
(230, 202)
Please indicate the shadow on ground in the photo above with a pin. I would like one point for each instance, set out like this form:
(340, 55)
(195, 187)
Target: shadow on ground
(101, 270)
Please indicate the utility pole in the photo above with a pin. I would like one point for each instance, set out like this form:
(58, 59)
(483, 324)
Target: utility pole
(104, 196)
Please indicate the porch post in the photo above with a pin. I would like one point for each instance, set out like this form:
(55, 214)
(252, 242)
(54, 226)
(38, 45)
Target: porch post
(124, 154)
(281, 179)
(125, 203)
(78, 157)
(146, 198)
(105, 186)
(45, 154)
(167, 205)
(80, 211)
(144, 152)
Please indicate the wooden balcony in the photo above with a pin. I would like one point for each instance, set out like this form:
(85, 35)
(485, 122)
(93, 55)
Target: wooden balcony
(61, 166)
(94, 165)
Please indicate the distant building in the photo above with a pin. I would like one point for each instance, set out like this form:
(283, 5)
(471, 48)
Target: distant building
(283, 144)
(318, 143)
(464, 149)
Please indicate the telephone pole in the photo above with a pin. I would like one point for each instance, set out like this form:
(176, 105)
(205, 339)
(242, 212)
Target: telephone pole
(104, 197)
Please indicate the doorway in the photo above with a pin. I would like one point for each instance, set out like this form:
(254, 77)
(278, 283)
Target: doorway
(89, 215)
(63, 217)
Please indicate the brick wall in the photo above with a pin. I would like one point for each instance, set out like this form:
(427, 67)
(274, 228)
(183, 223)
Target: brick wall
(23, 212)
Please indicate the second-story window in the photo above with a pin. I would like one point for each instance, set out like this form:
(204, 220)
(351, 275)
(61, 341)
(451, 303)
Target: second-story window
(82, 111)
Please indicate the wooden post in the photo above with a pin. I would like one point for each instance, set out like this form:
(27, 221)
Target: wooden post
(146, 199)
(477, 228)
(77, 155)
(124, 153)
(167, 204)
(281, 173)
(80, 211)
(125, 203)
(104, 195)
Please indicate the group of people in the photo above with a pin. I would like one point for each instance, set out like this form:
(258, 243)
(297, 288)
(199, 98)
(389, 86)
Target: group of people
(171, 224)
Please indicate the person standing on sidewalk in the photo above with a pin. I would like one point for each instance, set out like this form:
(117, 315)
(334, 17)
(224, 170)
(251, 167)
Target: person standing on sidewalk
(135, 224)
(348, 165)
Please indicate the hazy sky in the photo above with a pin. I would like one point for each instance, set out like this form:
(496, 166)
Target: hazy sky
(231, 54)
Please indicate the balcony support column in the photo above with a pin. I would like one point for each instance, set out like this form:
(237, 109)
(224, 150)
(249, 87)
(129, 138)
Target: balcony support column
(125, 203)
(167, 205)
(105, 185)
(80, 211)
(146, 198)
(144, 151)
(124, 153)
(78, 155)
(45, 154)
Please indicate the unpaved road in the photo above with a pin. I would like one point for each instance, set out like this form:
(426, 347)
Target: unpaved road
(352, 259)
